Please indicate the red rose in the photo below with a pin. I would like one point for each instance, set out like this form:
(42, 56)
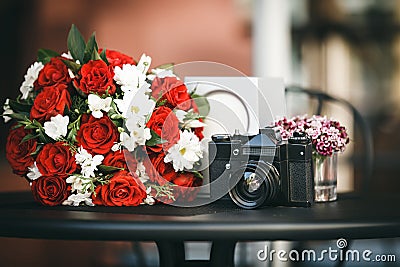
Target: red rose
(121, 159)
(156, 168)
(51, 101)
(19, 154)
(50, 190)
(173, 90)
(96, 77)
(123, 189)
(56, 160)
(97, 135)
(116, 58)
(187, 185)
(164, 123)
(53, 72)
(199, 131)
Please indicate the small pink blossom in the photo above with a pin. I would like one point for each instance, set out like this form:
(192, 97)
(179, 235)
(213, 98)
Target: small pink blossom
(327, 135)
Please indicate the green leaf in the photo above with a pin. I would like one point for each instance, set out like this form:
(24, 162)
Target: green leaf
(104, 57)
(74, 128)
(95, 55)
(202, 104)
(45, 55)
(43, 137)
(72, 65)
(155, 139)
(108, 169)
(19, 107)
(28, 137)
(76, 43)
(90, 48)
(30, 127)
(18, 116)
(197, 174)
(38, 148)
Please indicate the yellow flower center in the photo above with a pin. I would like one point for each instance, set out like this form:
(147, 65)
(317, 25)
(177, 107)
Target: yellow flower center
(135, 109)
(182, 151)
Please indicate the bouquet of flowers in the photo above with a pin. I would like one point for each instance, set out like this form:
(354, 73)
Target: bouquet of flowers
(95, 127)
(327, 135)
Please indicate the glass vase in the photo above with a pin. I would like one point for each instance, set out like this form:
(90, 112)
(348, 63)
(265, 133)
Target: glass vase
(325, 178)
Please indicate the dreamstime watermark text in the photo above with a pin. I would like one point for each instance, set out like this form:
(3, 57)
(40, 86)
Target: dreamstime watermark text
(338, 253)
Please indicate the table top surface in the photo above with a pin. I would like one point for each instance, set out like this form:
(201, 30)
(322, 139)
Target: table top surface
(349, 217)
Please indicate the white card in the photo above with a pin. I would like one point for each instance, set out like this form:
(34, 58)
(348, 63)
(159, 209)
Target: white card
(239, 103)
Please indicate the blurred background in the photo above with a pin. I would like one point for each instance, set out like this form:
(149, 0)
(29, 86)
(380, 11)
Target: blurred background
(347, 48)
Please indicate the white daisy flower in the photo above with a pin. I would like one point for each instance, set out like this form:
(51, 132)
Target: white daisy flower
(185, 152)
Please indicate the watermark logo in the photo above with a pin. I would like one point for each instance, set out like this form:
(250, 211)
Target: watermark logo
(341, 243)
(339, 253)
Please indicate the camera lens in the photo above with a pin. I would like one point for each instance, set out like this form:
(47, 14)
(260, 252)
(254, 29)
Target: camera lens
(258, 184)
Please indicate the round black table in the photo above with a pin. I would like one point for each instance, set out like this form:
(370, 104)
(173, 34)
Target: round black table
(351, 217)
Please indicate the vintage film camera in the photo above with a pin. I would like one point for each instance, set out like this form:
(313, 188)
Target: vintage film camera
(262, 169)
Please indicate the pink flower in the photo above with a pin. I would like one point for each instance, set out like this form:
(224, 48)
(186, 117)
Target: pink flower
(327, 135)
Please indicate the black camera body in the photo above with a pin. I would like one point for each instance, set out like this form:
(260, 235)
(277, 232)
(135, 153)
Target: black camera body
(262, 169)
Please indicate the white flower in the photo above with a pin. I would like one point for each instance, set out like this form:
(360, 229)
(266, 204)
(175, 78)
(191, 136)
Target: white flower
(98, 104)
(82, 155)
(30, 78)
(161, 73)
(76, 182)
(144, 63)
(34, 172)
(89, 167)
(180, 114)
(194, 124)
(138, 136)
(186, 152)
(132, 77)
(123, 104)
(7, 111)
(57, 126)
(141, 172)
(141, 104)
(136, 102)
(187, 121)
(76, 199)
(116, 147)
(149, 199)
(88, 162)
(69, 56)
(138, 132)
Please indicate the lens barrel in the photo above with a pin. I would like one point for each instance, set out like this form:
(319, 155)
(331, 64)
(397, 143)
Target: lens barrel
(258, 185)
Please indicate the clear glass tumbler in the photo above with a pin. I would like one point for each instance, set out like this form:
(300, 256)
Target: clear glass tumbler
(325, 178)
